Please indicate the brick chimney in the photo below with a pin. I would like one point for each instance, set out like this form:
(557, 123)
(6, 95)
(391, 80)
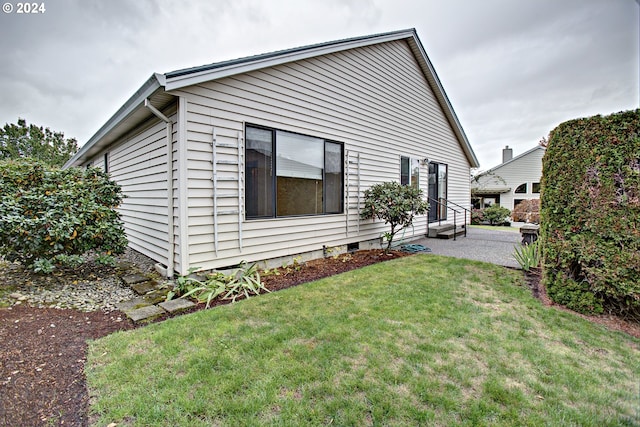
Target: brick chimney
(507, 154)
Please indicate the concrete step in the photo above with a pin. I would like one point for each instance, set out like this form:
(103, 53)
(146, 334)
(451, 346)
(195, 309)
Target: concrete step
(434, 230)
(449, 234)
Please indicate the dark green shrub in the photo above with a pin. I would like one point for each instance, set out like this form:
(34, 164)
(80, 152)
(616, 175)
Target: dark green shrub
(49, 216)
(590, 215)
(496, 214)
(395, 203)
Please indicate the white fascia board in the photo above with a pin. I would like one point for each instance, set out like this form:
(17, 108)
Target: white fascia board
(265, 61)
(432, 76)
(132, 104)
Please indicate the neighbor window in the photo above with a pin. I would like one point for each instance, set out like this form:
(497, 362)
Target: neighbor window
(410, 171)
(535, 188)
(521, 189)
(291, 174)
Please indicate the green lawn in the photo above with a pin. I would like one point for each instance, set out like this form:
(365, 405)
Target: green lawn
(421, 340)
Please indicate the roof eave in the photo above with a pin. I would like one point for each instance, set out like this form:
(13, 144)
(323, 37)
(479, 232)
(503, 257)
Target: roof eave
(153, 84)
(488, 191)
(192, 76)
(432, 77)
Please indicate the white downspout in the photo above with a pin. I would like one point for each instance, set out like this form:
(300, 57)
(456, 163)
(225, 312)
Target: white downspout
(170, 237)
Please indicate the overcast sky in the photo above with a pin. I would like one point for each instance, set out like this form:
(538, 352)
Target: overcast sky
(513, 69)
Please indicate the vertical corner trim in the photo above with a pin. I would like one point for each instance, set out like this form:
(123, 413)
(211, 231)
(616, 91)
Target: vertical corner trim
(183, 186)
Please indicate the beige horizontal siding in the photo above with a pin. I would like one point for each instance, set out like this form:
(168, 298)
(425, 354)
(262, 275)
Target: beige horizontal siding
(374, 100)
(139, 166)
(138, 163)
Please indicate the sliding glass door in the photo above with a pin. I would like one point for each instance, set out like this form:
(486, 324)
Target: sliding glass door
(437, 192)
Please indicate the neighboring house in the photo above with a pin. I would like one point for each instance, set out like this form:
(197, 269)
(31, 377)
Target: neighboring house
(268, 157)
(511, 182)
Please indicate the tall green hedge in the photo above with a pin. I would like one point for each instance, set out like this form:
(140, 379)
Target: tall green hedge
(590, 214)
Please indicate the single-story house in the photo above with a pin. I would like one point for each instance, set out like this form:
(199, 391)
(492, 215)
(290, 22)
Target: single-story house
(267, 157)
(514, 180)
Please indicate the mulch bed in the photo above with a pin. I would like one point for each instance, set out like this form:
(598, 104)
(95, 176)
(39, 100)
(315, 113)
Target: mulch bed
(42, 363)
(43, 352)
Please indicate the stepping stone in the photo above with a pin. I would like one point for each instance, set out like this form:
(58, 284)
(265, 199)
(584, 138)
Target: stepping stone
(143, 313)
(145, 287)
(156, 296)
(125, 265)
(132, 304)
(134, 278)
(176, 305)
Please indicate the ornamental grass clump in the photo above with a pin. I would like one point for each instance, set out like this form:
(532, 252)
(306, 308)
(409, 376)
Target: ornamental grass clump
(528, 256)
(242, 281)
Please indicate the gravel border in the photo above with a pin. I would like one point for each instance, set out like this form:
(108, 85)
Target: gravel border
(92, 287)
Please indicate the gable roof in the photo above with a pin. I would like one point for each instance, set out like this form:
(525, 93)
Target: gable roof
(516, 158)
(158, 87)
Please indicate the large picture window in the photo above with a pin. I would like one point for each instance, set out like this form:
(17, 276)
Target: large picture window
(290, 174)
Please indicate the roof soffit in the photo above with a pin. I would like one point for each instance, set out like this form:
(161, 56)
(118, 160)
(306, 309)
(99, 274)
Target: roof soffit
(131, 114)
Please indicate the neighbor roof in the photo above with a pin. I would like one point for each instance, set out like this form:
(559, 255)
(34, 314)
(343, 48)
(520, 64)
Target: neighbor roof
(526, 153)
(157, 89)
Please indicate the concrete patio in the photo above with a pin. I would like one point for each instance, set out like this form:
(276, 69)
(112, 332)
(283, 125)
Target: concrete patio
(494, 246)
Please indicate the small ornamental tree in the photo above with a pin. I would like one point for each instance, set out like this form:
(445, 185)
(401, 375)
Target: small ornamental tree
(394, 203)
(527, 211)
(52, 216)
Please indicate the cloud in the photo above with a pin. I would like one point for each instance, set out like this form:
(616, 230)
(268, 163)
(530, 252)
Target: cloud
(538, 64)
(512, 69)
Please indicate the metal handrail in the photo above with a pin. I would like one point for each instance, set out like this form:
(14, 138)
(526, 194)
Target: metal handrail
(446, 205)
(461, 207)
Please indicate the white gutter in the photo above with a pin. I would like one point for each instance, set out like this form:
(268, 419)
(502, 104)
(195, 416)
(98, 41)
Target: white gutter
(170, 235)
(147, 89)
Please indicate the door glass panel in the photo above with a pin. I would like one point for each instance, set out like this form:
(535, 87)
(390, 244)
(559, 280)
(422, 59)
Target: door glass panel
(415, 173)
